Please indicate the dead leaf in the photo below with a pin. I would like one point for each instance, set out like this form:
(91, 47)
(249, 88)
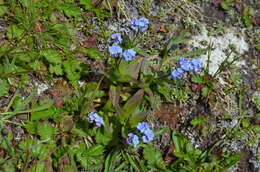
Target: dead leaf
(114, 95)
(169, 157)
(169, 113)
(163, 28)
(216, 2)
(58, 101)
(256, 21)
(39, 28)
(61, 89)
(196, 87)
(90, 43)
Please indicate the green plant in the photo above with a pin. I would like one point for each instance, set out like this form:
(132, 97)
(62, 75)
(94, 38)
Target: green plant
(192, 159)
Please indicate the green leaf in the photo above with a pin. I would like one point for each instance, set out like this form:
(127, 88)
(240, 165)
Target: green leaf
(71, 68)
(4, 87)
(133, 103)
(95, 150)
(100, 13)
(92, 53)
(256, 99)
(56, 69)
(198, 121)
(161, 131)
(52, 56)
(71, 10)
(231, 160)
(31, 127)
(22, 104)
(14, 32)
(177, 139)
(141, 52)
(136, 118)
(129, 71)
(132, 161)
(205, 91)
(110, 160)
(256, 128)
(44, 114)
(174, 41)
(225, 5)
(46, 131)
(3, 10)
(38, 167)
(247, 21)
(122, 114)
(197, 79)
(153, 157)
(103, 137)
(87, 4)
(26, 3)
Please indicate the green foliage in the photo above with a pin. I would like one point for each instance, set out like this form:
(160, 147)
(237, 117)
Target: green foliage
(192, 159)
(256, 99)
(42, 41)
(4, 87)
(198, 121)
(38, 41)
(154, 158)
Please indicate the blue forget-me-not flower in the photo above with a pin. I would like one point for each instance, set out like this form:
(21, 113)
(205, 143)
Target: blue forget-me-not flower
(197, 65)
(116, 38)
(148, 136)
(140, 24)
(115, 50)
(129, 54)
(94, 117)
(132, 139)
(193, 65)
(144, 128)
(176, 73)
(185, 64)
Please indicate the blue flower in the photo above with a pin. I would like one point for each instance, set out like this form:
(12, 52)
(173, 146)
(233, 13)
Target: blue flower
(185, 64)
(140, 24)
(94, 117)
(116, 38)
(197, 65)
(148, 136)
(115, 50)
(132, 139)
(129, 54)
(142, 126)
(176, 73)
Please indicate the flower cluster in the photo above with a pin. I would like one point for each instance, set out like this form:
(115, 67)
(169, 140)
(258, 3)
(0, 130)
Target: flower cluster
(94, 117)
(140, 24)
(116, 38)
(144, 128)
(116, 51)
(129, 54)
(147, 136)
(193, 65)
(132, 139)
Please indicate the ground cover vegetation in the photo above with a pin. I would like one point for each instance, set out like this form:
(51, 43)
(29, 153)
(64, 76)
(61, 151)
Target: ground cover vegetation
(92, 85)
